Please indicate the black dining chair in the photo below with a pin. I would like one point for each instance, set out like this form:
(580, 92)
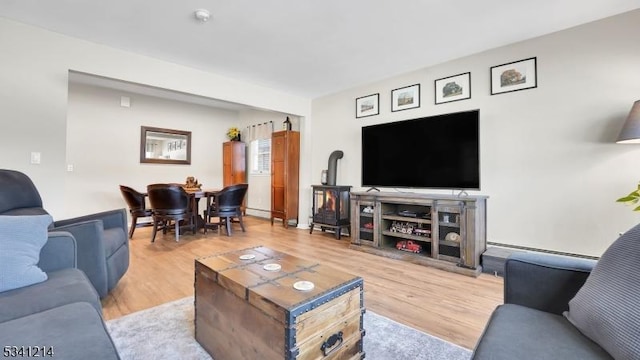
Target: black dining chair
(226, 205)
(137, 208)
(169, 202)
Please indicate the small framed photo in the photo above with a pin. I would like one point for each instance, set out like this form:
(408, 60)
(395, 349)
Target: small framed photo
(368, 105)
(405, 98)
(453, 88)
(514, 76)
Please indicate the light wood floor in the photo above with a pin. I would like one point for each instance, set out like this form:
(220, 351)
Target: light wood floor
(447, 305)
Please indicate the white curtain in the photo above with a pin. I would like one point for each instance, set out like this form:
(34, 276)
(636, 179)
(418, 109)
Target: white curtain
(259, 131)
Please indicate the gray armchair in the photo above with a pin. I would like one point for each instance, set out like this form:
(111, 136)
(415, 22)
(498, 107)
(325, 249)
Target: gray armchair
(102, 243)
(530, 325)
(62, 312)
(65, 283)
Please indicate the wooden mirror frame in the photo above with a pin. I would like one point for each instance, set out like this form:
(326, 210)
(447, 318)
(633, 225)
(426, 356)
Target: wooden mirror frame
(177, 135)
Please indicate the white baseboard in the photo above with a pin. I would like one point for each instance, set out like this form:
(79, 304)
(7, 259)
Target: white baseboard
(266, 214)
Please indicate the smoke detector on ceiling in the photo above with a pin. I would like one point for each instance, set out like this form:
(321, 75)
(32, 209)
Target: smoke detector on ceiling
(202, 15)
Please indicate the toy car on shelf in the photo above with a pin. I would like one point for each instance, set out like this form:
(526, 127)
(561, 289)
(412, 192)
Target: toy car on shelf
(408, 245)
(367, 210)
(405, 228)
(422, 232)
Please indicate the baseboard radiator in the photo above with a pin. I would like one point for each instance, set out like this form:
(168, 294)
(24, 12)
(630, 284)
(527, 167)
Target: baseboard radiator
(262, 213)
(494, 258)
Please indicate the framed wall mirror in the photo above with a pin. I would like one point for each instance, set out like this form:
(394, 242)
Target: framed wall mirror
(165, 146)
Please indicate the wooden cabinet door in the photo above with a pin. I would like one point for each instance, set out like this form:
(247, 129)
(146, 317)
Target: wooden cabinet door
(277, 201)
(278, 147)
(233, 163)
(277, 174)
(227, 161)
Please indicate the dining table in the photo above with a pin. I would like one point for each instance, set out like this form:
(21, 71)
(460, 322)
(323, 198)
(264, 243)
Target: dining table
(195, 195)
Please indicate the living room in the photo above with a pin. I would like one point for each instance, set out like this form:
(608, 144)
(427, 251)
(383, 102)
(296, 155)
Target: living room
(552, 139)
(549, 162)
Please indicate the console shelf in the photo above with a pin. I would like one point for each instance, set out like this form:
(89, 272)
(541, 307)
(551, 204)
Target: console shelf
(447, 232)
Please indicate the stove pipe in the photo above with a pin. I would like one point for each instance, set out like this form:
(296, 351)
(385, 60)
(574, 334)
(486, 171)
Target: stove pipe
(333, 164)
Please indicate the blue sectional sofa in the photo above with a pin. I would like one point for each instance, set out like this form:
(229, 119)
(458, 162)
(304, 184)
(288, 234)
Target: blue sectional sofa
(530, 324)
(60, 316)
(102, 242)
(568, 308)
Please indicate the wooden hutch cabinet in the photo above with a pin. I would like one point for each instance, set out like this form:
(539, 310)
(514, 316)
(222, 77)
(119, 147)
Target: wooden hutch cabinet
(234, 165)
(285, 165)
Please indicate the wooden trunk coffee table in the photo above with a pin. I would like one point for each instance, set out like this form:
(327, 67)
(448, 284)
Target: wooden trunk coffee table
(247, 308)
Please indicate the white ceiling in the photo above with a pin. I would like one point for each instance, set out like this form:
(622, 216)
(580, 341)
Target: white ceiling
(309, 48)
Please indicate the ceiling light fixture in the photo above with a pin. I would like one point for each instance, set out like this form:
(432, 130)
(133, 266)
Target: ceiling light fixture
(203, 15)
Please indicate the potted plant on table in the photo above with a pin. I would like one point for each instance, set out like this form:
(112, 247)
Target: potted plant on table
(233, 134)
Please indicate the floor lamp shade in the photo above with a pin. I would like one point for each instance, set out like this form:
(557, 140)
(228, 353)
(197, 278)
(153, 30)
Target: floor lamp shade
(630, 133)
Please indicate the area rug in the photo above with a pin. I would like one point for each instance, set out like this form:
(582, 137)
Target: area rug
(167, 332)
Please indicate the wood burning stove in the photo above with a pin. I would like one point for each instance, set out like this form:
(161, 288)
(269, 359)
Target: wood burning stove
(331, 208)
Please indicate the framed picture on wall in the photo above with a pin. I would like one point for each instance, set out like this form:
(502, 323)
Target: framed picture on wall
(368, 105)
(405, 98)
(453, 88)
(514, 76)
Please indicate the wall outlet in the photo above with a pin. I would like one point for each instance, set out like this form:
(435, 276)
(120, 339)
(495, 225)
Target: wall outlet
(69, 167)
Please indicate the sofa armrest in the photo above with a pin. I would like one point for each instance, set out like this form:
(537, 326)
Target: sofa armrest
(544, 282)
(110, 219)
(89, 237)
(59, 252)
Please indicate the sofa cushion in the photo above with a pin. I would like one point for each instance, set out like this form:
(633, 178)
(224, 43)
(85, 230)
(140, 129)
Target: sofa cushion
(74, 332)
(26, 211)
(519, 332)
(17, 191)
(21, 239)
(606, 308)
(114, 238)
(63, 287)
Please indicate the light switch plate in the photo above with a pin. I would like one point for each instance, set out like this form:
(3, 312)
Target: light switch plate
(35, 157)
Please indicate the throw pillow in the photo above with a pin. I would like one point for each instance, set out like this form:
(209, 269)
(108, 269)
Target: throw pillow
(606, 308)
(21, 239)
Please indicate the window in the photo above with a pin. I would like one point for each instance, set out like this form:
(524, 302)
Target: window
(261, 156)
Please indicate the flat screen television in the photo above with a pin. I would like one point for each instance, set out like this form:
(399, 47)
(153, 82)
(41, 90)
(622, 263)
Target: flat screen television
(437, 152)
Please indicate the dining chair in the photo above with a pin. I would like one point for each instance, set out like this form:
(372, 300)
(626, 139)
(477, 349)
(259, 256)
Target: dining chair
(169, 202)
(137, 208)
(226, 205)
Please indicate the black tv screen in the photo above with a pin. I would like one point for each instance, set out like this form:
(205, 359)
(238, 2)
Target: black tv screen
(439, 152)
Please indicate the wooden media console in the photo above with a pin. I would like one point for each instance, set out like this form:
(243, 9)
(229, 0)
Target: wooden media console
(443, 231)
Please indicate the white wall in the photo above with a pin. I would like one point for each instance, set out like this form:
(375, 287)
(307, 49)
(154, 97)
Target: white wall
(548, 159)
(103, 144)
(34, 70)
